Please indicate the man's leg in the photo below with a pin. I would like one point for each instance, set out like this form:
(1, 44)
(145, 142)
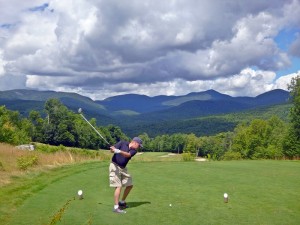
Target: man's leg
(115, 181)
(126, 192)
(117, 209)
(117, 195)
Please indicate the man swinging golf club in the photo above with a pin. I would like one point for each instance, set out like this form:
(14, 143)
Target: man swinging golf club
(118, 174)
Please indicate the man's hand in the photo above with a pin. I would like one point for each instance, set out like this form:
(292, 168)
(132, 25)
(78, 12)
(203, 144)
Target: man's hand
(113, 149)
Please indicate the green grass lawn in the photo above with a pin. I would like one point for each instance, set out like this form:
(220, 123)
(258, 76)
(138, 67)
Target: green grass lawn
(260, 192)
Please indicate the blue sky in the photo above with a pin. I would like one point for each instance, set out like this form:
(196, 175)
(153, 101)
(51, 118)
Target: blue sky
(105, 48)
(284, 40)
(295, 66)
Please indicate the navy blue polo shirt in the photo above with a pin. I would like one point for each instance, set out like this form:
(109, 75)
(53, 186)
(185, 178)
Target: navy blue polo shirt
(119, 159)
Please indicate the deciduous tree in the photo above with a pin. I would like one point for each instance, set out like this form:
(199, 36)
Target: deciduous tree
(292, 142)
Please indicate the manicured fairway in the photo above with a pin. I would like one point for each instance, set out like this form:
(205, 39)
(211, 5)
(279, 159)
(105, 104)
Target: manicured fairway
(260, 192)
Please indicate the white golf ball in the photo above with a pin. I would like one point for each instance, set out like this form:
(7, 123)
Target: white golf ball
(170, 205)
(225, 195)
(80, 192)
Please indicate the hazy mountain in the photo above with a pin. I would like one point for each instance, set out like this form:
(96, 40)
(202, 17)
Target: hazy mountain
(208, 101)
(71, 100)
(146, 104)
(134, 102)
(26, 100)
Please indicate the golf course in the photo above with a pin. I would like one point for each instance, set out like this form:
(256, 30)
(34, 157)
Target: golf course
(165, 192)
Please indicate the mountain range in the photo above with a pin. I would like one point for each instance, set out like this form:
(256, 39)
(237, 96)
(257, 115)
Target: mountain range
(139, 113)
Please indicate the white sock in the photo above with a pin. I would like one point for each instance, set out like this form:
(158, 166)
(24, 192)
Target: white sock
(116, 206)
(122, 202)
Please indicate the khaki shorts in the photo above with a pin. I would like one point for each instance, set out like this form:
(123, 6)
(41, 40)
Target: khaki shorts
(119, 177)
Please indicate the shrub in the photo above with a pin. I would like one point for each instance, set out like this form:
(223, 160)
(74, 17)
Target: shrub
(213, 157)
(27, 161)
(1, 167)
(49, 148)
(188, 156)
(42, 148)
(61, 148)
(271, 152)
(231, 155)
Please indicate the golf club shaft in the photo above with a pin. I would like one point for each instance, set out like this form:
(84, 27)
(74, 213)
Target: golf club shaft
(95, 129)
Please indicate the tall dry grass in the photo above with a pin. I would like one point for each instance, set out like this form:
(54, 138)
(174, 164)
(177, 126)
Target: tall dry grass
(9, 156)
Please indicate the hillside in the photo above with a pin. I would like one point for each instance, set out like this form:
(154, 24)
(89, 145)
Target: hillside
(145, 104)
(207, 125)
(212, 103)
(72, 100)
(26, 100)
(135, 103)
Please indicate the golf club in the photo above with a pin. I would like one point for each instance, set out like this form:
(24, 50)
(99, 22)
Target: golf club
(80, 112)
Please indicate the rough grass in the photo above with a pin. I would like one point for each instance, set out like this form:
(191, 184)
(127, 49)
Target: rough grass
(10, 168)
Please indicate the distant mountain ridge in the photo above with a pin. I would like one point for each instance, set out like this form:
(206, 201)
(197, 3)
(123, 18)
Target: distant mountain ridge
(197, 96)
(143, 104)
(24, 94)
(137, 112)
(209, 101)
(72, 100)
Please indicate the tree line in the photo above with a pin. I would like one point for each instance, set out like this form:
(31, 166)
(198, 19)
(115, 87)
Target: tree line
(255, 140)
(60, 127)
(259, 139)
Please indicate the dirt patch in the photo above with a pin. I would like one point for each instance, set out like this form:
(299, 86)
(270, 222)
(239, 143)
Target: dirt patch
(201, 159)
(169, 155)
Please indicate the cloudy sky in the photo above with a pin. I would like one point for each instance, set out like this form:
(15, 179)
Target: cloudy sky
(102, 48)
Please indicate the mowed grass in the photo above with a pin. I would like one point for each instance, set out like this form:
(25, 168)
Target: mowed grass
(260, 192)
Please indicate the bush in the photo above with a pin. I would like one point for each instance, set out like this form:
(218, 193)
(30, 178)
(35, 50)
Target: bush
(27, 161)
(43, 148)
(188, 156)
(1, 167)
(212, 157)
(61, 148)
(271, 152)
(49, 148)
(231, 155)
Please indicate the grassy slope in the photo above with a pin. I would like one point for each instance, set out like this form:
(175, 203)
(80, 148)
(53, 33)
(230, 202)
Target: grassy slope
(10, 156)
(260, 192)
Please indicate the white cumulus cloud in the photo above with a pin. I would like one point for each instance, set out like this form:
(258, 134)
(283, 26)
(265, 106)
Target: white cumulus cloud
(109, 47)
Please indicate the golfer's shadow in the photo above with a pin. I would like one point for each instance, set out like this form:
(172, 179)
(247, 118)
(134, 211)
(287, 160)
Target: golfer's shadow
(136, 204)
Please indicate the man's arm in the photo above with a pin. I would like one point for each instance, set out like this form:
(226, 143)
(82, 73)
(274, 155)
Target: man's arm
(118, 151)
